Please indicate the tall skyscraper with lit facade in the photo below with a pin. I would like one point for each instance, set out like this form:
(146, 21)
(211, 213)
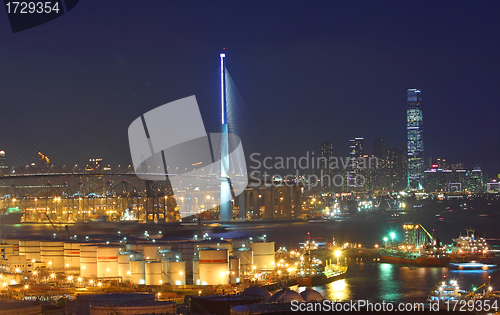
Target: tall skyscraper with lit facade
(415, 130)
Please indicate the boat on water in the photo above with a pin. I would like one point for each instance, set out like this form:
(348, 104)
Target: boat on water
(470, 249)
(312, 271)
(322, 276)
(416, 250)
(10, 215)
(471, 266)
(415, 258)
(448, 294)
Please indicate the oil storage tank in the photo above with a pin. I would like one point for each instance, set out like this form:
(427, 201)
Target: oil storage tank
(107, 261)
(263, 255)
(234, 270)
(177, 272)
(31, 249)
(20, 307)
(214, 266)
(52, 253)
(196, 272)
(246, 260)
(138, 272)
(151, 250)
(124, 259)
(84, 302)
(170, 254)
(153, 273)
(88, 261)
(72, 255)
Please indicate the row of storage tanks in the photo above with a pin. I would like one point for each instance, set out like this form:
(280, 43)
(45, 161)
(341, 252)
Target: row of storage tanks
(210, 263)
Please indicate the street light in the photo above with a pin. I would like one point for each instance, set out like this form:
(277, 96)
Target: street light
(393, 235)
(385, 240)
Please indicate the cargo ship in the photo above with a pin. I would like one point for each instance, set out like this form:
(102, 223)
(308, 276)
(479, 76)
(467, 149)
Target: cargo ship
(470, 249)
(416, 250)
(312, 271)
(10, 215)
(414, 258)
(320, 277)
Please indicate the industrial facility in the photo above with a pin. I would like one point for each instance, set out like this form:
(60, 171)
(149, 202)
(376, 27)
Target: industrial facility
(145, 260)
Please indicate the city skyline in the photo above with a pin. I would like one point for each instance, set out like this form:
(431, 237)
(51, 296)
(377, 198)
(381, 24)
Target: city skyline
(86, 90)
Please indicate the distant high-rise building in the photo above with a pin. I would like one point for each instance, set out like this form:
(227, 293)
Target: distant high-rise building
(355, 153)
(355, 150)
(380, 148)
(3, 164)
(476, 179)
(415, 140)
(396, 162)
(327, 171)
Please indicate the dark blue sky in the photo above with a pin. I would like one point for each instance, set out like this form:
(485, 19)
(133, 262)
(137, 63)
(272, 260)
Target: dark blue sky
(308, 72)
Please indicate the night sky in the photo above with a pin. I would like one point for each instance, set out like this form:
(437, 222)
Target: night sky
(307, 72)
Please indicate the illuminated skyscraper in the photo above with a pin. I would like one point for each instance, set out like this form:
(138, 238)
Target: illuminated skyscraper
(4, 169)
(356, 152)
(327, 171)
(415, 140)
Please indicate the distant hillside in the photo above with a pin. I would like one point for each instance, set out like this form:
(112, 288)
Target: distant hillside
(488, 155)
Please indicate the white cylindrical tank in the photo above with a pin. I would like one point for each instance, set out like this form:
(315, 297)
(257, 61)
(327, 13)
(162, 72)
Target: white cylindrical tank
(72, 255)
(165, 267)
(240, 243)
(88, 261)
(214, 266)
(124, 259)
(107, 261)
(31, 249)
(151, 251)
(140, 307)
(263, 255)
(234, 270)
(177, 272)
(153, 273)
(138, 272)
(135, 247)
(169, 254)
(196, 272)
(52, 253)
(246, 260)
(20, 308)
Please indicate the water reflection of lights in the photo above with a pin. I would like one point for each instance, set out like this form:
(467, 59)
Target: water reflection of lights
(338, 285)
(337, 290)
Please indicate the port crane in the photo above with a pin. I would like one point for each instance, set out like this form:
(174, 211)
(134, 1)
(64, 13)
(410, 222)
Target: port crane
(65, 227)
